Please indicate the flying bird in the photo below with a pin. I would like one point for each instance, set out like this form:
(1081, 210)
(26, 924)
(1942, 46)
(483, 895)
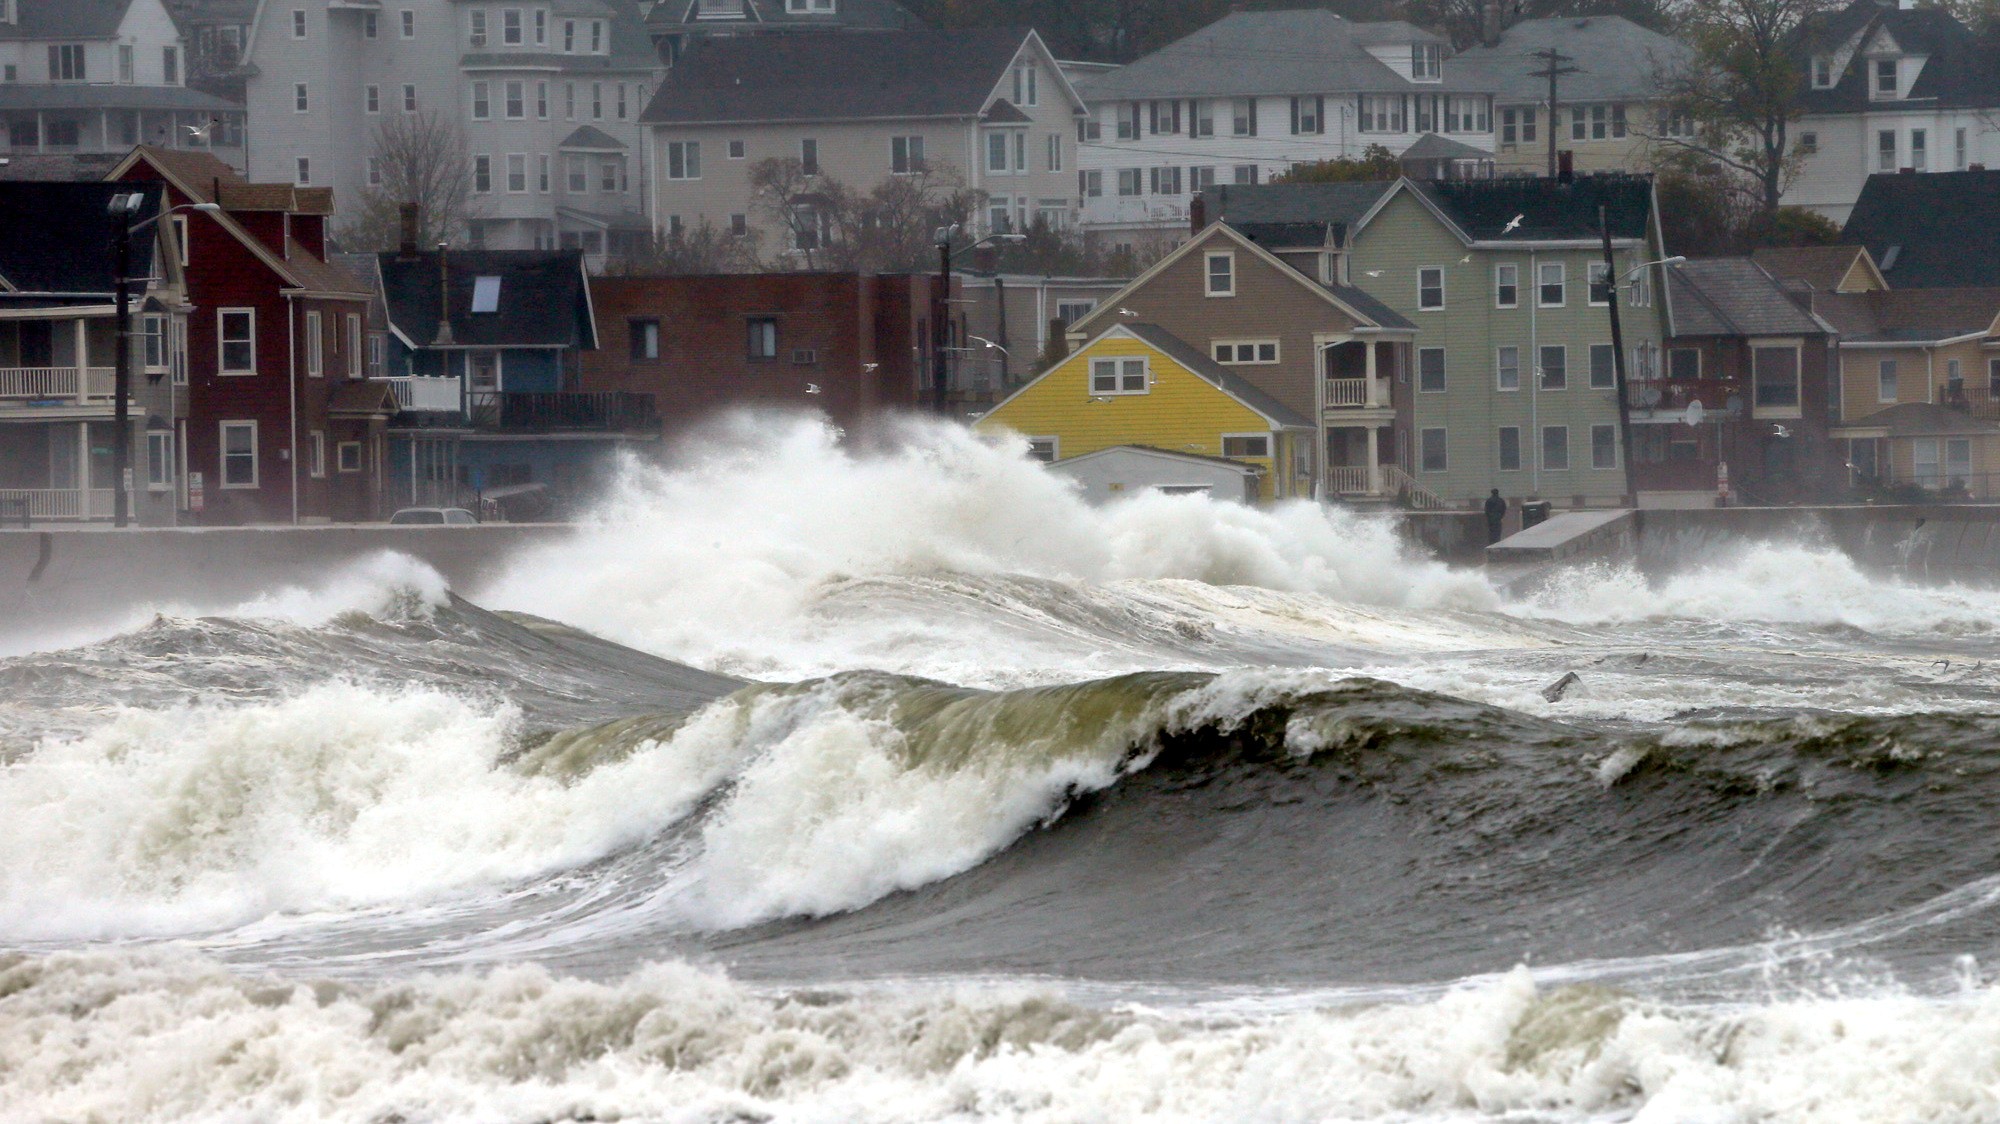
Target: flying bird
(1513, 224)
(870, 366)
(1779, 430)
(812, 388)
(1371, 273)
(1466, 260)
(199, 132)
(1126, 312)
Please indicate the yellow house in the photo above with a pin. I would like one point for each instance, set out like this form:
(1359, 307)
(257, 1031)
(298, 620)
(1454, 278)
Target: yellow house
(1140, 385)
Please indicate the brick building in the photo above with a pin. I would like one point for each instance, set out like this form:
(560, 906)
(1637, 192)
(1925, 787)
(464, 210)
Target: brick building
(852, 345)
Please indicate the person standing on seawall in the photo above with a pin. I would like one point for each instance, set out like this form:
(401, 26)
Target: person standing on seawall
(1496, 514)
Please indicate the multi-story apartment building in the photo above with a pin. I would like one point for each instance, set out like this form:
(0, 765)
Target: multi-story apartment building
(675, 24)
(103, 77)
(548, 97)
(987, 107)
(1891, 88)
(216, 32)
(1252, 94)
(1607, 116)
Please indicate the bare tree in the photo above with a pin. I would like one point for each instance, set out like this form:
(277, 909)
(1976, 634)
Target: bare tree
(1741, 89)
(703, 249)
(421, 158)
(889, 228)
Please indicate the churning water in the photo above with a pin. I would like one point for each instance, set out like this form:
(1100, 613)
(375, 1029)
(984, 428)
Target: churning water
(817, 782)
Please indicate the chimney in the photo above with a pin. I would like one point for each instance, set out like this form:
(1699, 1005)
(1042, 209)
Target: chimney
(1906, 171)
(1489, 23)
(1975, 167)
(444, 337)
(1566, 166)
(1197, 213)
(409, 212)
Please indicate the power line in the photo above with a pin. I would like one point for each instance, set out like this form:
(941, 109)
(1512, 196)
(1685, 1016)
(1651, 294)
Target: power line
(1553, 68)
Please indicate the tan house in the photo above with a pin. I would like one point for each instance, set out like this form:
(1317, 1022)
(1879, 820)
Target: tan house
(988, 107)
(1286, 325)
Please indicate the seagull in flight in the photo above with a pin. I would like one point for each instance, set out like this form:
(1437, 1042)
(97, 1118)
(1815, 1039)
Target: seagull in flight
(200, 132)
(1126, 312)
(1779, 430)
(812, 388)
(870, 366)
(1466, 260)
(1371, 273)
(1513, 224)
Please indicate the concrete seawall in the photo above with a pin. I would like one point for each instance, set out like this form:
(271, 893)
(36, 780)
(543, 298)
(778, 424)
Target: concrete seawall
(75, 584)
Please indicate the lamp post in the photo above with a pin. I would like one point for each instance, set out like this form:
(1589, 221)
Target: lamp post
(122, 207)
(941, 303)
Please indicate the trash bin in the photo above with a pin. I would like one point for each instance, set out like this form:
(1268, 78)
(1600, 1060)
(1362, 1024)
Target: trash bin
(1533, 512)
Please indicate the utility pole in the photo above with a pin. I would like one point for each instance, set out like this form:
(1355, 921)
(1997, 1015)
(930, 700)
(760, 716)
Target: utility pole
(123, 207)
(1555, 65)
(1617, 354)
(940, 319)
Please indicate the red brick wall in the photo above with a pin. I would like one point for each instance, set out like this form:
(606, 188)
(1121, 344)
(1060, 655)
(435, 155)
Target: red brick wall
(847, 320)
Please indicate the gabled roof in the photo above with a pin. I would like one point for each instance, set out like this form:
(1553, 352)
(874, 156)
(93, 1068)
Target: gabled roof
(835, 76)
(1188, 356)
(775, 15)
(1281, 236)
(1944, 226)
(1245, 205)
(1303, 51)
(1959, 70)
(1734, 297)
(543, 298)
(1548, 210)
(56, 237)
(65, 19)
(1243, 467)
(593, 138)
(1823, 268)
(1430, 146)
(1913, 316)
(57, 167)
(1617, 59)
(1924, 419)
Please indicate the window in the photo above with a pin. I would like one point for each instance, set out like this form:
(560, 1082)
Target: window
(1954, 376)
(611, 176)
(1507, 368)
(578, 176)
(316, 458)
(1125, 375)
(645, 336)
(1090, 184)
(1958, 149)
(1239, 445)
(371, 99)
(478, 33)
(1993, 378)
(1431, 451)
(1603, 367)
(1886, 83)
(298, 23)
(1166, 180)
(1128, 181)
(1775, 370)
(541, 27)
(1043, 449)
(906, 155)
(483, 372)
(1555, 367)
(1430, 370)
(736, 150)
(1201, 121)
(409, 99)
(170, 65)
(1510, 448)
(1885, 381)
(1025, 83)
(1245, 351)
(236, 341)
(369, 28)
(1307, 115)
(409, 22)
(569, 100)
(510, 27)
(1809, 143)
(1055, 153)
(739, 225)
(569, 36)
(1885, 150)
(239, 454)
(1822, 72)
(517, 100)
(1507, 285)
(486, 294)
(353, 345)
(1517, 126)
(1221, 273)
(542, 173)
(181, 235)
(1430, 289)
(597, 101)
(1555, 448)
(66, 62)
(1604, 446)
(125, 63)
(377, 344)
(301, 98)
(1244, 174)
(1201, 179)
(683, 162)
(1069, 312)
(517, 173)
(763, 337)
(1128, 121)
(996, 152)
(482, 103)
(1684, 363)
(1920, 156)
(315, 346)
(347, 456)
(1425, 61)
(1551, 281)
(1243, 117)
(482, 174)
(1599, 279)
(596, 37)
(809, 156)
(1382, 113)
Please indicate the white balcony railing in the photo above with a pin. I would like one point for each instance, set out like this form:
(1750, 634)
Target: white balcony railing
(79, 383)
(56, 503)
(435, 395)
(1351, 480)
(1348, 393)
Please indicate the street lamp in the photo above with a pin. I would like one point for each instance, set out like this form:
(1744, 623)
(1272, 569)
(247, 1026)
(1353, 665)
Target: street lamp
(122, 207)
(940, 390)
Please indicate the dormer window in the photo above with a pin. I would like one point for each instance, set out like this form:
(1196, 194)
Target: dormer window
(1887, 81)
(1822, 72)
(1426, 61)
(809, 7)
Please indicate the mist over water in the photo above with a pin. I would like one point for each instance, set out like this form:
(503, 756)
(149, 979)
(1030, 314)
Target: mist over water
(885, 780)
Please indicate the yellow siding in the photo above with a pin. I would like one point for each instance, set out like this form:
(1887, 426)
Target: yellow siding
(1182, 412)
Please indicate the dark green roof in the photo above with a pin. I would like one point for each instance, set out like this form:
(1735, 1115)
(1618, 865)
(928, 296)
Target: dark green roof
(1944, 228)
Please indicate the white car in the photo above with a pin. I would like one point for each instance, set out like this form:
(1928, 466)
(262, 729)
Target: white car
(433, 516)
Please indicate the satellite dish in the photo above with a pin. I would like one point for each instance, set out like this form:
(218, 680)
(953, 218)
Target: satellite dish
(1693, 414)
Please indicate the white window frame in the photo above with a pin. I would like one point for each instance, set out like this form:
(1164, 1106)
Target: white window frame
(340, 451)
(409, 23)
(1121, 374)
(1888, 379)
(517, 160)
(300, 28)
(301, 98)
(160, 454)
(1444, 370)
(222, 341)
(1232, 352)
(1500, 446)
(1595, 430)
(409, 97)
(354, 345)
(1422, 271)
(316, 454)
(1270, 446)
(1444, 449)
(222, 455)
(1542, 448)
(688, 153)
(1208, 274)
(1561, 284)
(1500, 365)
(371, 99)
(1591, 273)
(514, 100)
(482, 101)
(513, 29)
(1542, 367)
(1504, 269)
(315, 344)
(1054, 444)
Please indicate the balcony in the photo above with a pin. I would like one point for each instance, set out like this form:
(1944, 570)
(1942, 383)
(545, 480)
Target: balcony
(422, 395)
(1978, 401)
(608, 411)
(1350, 394)
(68, 386)
(1718, 397)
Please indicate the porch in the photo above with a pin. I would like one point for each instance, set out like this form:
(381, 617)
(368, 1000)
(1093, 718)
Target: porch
(1358, 462)
(1359, 375)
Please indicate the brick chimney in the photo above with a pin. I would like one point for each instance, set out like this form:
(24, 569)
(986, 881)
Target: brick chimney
(1197, 213)
(1566, 166)
(408, 213)
(1489, 23)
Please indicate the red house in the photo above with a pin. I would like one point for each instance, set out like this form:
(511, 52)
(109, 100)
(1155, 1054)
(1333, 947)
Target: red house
(283, 424)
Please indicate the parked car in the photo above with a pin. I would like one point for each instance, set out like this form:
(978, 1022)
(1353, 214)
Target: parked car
(433, 516)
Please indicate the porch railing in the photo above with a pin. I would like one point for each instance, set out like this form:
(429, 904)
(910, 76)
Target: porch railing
(80, 383)
(57, 503)
(427, 395)
(604, 410)
(1350, 480)
(1356, 392)
(1413, 493)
